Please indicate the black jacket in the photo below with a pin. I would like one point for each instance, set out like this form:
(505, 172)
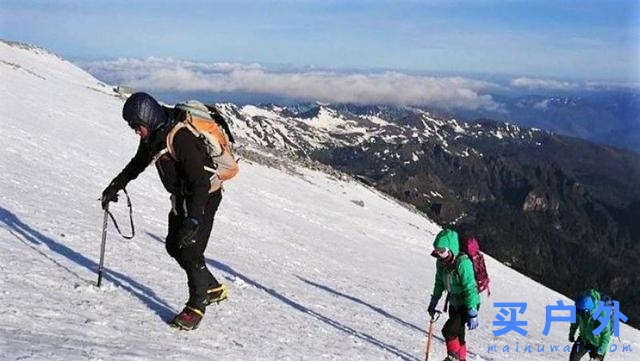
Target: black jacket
(184, 177)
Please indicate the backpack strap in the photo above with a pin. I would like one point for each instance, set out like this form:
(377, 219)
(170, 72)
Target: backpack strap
(446, 302)
(456, 262)
(169, 149)
(159, 155)
(454, 266)
(172, 134)
(169, 141)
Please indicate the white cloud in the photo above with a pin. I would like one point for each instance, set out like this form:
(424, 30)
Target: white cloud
(532, 83)
(550, 84)
(608, 85)
(542, 105)
(325, 86)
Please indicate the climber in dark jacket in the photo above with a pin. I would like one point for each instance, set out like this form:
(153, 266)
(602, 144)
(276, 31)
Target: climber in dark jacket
(193, 205)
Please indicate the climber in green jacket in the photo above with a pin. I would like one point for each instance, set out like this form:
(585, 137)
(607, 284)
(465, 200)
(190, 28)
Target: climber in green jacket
(587, 342)
(454, 273)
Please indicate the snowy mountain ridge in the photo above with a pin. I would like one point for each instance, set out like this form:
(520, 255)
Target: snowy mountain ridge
(323, 127)
(317, 268)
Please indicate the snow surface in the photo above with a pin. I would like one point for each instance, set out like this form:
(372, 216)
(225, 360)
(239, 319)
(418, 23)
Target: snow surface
(317, 268)
(253, 111)
(376, 120)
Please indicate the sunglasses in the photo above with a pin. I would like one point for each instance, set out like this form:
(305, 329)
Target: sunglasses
(135, 125)
(440, 252)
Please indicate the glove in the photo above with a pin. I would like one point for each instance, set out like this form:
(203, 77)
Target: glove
(432, 306)
(572, 338)
(187, 232)
(472, 319)
(110, 194)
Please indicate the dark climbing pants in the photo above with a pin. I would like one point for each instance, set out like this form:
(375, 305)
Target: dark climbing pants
(580, 349)
(455, 325)
(191, 258)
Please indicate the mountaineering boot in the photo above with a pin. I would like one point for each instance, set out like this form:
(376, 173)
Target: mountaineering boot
(188, 319)
(451, 358)
(216, 294)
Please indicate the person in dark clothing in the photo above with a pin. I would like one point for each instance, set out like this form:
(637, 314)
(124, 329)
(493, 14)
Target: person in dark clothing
(194, 200)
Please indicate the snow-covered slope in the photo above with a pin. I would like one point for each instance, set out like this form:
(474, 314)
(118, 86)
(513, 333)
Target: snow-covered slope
(318, 268)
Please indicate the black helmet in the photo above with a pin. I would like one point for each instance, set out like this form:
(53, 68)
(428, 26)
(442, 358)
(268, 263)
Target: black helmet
(142, 109)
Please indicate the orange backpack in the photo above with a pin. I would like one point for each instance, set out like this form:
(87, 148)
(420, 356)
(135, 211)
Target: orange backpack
(217, 142)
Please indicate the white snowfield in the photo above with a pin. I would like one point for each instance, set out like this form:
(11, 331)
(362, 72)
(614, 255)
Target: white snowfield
(312, 273)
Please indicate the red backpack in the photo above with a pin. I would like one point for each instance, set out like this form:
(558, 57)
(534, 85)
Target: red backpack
(471, 248)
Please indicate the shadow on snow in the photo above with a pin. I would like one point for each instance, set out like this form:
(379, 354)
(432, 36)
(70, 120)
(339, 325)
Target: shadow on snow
(359, 301)
(299, 307)
(32, 237)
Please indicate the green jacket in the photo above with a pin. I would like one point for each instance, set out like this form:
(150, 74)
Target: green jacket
(586, 324)
(457, 278)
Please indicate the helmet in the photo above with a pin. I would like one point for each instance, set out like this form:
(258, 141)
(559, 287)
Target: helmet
(142, 109)
(585, 303)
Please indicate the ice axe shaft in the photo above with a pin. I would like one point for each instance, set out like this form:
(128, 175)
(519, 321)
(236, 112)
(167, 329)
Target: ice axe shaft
(102, 246)
(432, 321)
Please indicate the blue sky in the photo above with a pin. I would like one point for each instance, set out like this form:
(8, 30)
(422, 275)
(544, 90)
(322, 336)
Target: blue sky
(585, 39)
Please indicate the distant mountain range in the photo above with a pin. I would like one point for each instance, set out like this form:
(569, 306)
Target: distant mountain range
(562, 210)
(607, 117)
(610, 117)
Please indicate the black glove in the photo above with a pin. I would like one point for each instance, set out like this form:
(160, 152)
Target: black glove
(187, 232)
(572, 338)
(110, 194)
(432, 306)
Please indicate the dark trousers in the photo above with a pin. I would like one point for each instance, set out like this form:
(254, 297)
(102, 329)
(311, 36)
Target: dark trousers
(455, 325)
(191, 258)
(580, 349)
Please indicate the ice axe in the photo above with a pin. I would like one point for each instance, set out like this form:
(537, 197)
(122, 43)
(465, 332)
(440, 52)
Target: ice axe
(433, 320)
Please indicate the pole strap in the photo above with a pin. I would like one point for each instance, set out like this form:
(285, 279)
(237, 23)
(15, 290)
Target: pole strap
(435, 317)
(133, 231)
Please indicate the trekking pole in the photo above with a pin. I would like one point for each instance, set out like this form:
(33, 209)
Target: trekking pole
(108, 214)
(430, 334)
(102, 246)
